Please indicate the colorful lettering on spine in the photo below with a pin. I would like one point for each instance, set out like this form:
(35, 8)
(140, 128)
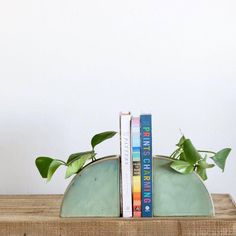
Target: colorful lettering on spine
(146, 164)
(135, 129)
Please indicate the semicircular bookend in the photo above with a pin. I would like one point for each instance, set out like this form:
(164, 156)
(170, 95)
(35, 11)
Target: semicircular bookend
(176, 194)
(95, 191)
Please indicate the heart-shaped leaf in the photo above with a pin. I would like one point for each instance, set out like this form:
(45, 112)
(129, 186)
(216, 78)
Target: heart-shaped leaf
(220, 158)
(98, 138)
(43, 164)
(76, 165)
(53, 167)
(191, 154)
(182, 167)
(75, 156)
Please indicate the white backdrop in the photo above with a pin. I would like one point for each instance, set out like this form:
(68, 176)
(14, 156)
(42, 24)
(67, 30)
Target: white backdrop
(68, 67)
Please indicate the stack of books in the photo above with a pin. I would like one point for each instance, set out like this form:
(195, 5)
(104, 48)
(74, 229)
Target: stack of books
(136, 165)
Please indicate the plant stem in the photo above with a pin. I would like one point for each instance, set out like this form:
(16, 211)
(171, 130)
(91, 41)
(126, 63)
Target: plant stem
(207, 152)
(93, 157)
(172, 155)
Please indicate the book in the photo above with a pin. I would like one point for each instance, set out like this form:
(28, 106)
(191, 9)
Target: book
(136, 187)
(146, 164)
(125, 140)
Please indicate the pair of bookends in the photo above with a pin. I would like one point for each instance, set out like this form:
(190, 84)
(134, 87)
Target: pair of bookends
(95, 191)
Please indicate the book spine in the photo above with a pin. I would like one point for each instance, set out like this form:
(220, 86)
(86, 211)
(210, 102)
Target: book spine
(125, 132)
(135, 131)
(146, 164)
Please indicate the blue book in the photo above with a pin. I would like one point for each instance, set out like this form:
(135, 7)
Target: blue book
(146, 164)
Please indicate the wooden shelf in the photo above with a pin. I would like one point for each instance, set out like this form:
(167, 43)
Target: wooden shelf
(39, 215)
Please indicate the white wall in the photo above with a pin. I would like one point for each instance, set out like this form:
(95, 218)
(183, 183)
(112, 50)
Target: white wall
(68, 67)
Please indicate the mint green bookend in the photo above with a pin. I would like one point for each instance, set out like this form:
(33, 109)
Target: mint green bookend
(95, 191)
(176, 194)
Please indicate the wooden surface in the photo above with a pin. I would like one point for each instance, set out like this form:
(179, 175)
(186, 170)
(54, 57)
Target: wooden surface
(39, 215)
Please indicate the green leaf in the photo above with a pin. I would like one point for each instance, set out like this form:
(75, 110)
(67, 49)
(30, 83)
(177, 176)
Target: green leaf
(182, 167)
(220, 158)
(191, 154)
(182, 156)
(53, 167)
(202, 172)
(43, 164)
(98, 138)
(181, 141)
(75, 156)
(76, 165)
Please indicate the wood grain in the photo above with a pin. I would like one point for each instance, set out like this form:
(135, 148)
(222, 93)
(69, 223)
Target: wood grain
(30, 215)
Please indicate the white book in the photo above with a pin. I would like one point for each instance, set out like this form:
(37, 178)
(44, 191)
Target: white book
(126, 174)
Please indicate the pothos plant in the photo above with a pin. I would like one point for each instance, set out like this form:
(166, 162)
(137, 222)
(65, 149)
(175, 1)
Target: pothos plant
(186, 158)
(75, 162)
